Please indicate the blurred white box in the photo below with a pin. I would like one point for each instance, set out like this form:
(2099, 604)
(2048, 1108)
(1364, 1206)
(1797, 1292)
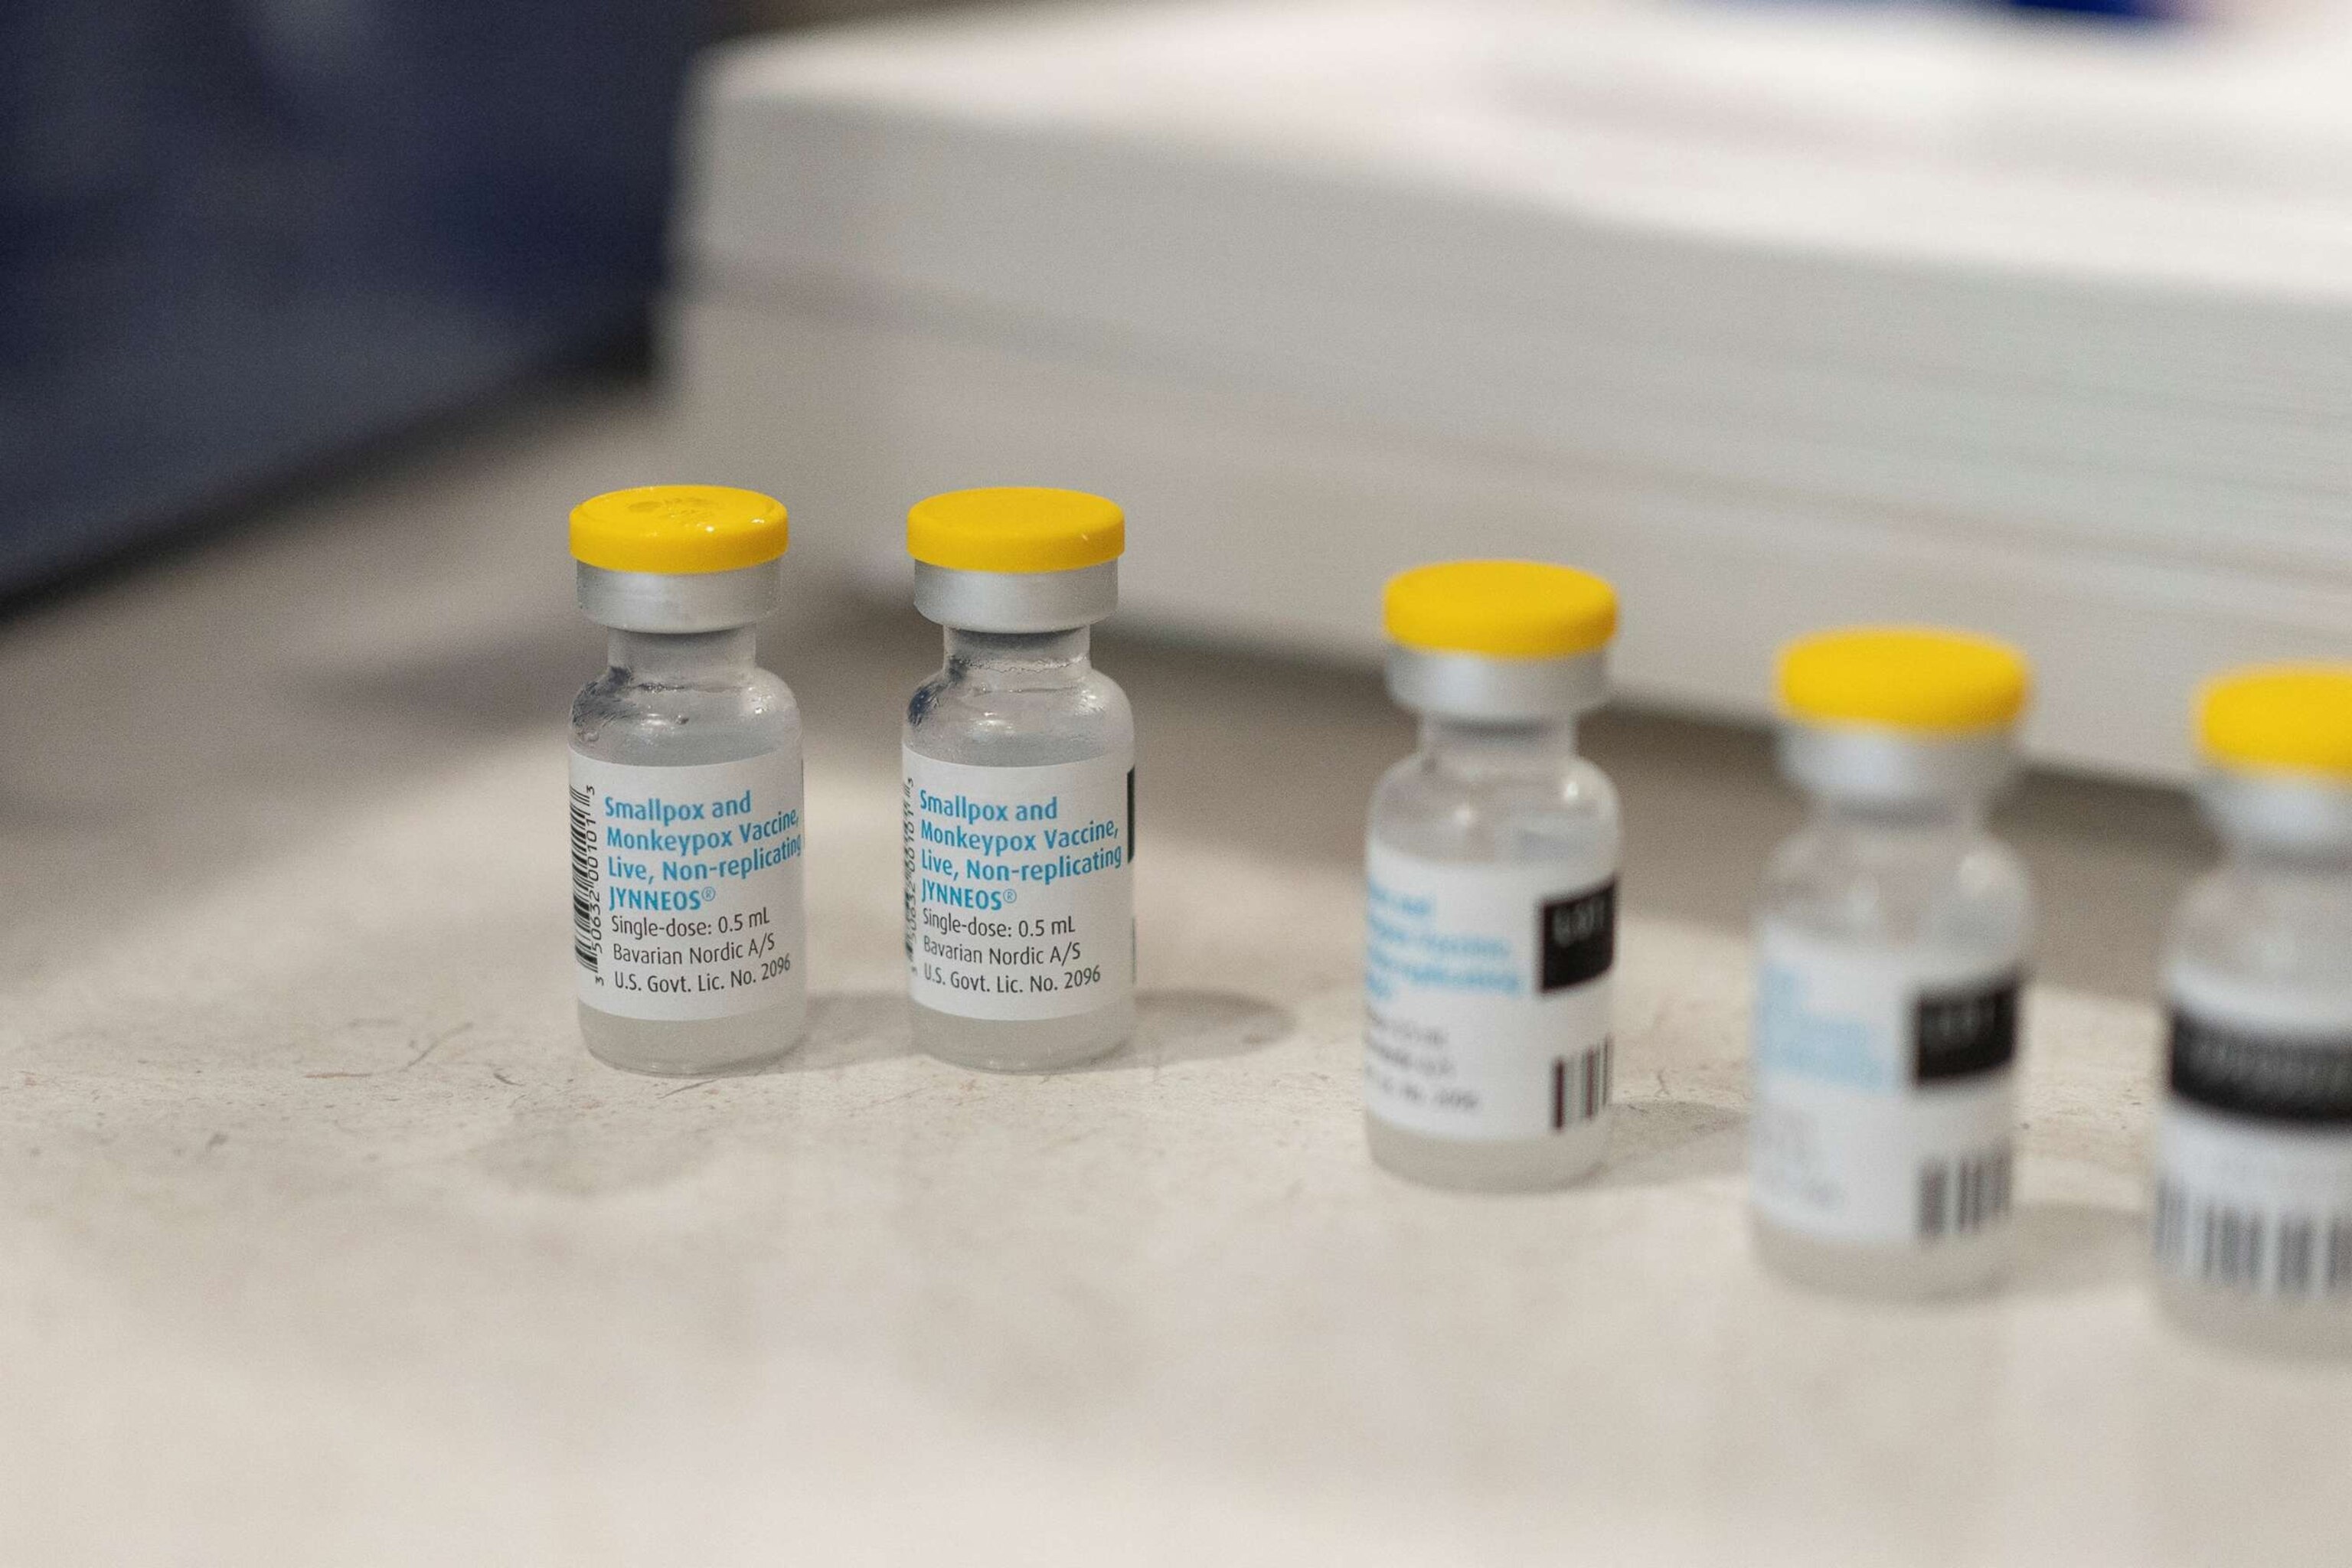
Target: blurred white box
(1777, 317)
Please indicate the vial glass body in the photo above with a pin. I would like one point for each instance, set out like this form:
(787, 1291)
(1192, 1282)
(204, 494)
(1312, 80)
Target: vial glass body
(1871, 916)
(1509, 817)
(1012, 702)
(2253, 1207)
(690, 700)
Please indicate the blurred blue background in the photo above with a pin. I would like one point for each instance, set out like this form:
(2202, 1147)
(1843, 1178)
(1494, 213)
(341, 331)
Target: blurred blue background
(238, 237)
(241, 237)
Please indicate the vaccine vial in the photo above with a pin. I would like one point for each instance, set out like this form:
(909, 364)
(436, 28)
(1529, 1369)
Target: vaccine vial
(1891, 946)
(1491, 883)
(2253, 1183)
(1019, 787)
(686, 788)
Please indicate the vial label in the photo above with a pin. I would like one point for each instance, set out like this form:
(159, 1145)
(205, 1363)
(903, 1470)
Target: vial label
(1885, 1091)
(685, 886)
(1487, 995)
(1020, 900)
(2253, 1188)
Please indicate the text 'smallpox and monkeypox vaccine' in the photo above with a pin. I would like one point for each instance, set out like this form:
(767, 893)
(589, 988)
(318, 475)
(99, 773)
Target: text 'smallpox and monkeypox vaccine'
(2253, 1180)
(1891, 949)
(1019, 784)
(1491, 883)
(686, 788)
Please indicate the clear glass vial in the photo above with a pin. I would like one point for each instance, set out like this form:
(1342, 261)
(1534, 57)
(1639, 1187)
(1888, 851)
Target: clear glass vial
(686, 805)
(1891, 946)
(2252, 1215)
(1491, 883)
(1019, 780)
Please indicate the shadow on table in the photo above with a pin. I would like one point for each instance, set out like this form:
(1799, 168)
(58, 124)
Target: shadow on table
(847, 1029)
(1178, 1025)
(1170, 1027)
(1657, 1141)
(2066, 1247)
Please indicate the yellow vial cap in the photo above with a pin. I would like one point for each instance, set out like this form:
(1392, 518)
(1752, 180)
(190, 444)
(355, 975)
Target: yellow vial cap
(1500, 609)
(1015, 528)
(678, 530)
(1919, 678)
(2280, 718)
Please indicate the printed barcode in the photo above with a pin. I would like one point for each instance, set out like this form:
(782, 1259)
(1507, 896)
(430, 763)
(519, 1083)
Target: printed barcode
(907, 858)
(2250, 1249)
(587, 919)
(1957, 1196)
(1581, 1084)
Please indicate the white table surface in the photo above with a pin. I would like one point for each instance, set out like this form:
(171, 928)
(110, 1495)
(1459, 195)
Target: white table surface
(325, 1243)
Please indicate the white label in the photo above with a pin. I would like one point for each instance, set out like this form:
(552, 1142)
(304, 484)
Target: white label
(2253, 1187)
(2252, 1207)
(1487, 995)
(1020, 895)
(1884, 1090)
(685, 886)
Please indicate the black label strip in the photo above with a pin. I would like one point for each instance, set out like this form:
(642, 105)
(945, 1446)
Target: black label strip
(2273, 1078)
(1576, 938)
(1964, 1034)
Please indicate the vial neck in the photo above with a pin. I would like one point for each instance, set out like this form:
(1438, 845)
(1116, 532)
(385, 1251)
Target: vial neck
(1026, 661)
(1925, 817)
(2288, 827)
(1462, 749)
(683, 656)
